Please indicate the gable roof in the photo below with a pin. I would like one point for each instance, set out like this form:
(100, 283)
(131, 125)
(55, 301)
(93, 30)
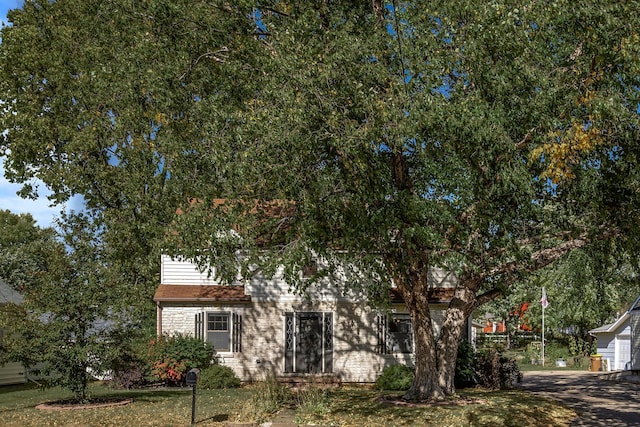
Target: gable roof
(200, 293)
(612, 327)
(8, 295)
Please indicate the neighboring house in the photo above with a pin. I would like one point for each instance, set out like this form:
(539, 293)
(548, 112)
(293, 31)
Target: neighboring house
(494, 327)
(619, 342)
(12, 372)
(263, 327)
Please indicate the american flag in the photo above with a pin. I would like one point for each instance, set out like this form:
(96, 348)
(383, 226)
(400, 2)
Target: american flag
(543, 300)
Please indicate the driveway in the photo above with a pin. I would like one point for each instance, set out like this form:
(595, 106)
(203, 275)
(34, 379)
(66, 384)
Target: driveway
(598, 402)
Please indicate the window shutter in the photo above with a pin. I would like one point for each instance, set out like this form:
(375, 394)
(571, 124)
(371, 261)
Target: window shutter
(237, 333)
(382, 334)
(199, 326)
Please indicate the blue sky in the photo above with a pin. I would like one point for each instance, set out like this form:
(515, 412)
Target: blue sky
(39, 209)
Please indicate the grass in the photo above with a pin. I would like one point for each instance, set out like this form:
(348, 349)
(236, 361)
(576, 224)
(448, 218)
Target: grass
(338, 407)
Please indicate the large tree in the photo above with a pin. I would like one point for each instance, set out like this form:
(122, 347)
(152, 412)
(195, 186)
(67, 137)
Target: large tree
(110, 100)
(486, 138)
(386, 138)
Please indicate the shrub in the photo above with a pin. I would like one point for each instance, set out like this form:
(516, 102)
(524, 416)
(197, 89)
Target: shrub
(127, 358)
(494, 371)
(218, 376)
(171, 357)
(395, 377)
(128, 377)
(465, 365)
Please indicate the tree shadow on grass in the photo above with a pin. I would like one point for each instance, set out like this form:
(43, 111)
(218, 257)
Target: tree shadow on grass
(218, 418)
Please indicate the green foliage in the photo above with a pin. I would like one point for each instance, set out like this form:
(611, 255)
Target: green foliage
(128, 358)
(465, 365)
(65, 322)
(395, 377)
(171, 357)
(495, 371)
(581, 347)
(218, 376)
(586, 289)
(389, 163)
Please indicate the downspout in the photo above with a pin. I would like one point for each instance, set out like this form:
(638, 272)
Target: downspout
(158, 318)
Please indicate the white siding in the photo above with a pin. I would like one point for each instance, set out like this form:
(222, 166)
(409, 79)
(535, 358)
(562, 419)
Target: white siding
(178, 272)
(440, 278)
(607, 346)
(12, 373)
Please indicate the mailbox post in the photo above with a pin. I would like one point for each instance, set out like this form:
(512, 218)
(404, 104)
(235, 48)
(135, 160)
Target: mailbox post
(192, 379)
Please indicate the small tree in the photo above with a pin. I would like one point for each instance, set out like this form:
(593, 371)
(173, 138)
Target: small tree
(64, 324)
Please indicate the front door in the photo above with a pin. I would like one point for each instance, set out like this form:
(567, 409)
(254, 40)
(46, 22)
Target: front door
(308, 342)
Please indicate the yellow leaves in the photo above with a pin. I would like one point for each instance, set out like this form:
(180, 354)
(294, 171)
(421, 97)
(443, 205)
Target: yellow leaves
(568, 148)
(161, 118)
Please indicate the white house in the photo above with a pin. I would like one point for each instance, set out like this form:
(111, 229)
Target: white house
(261, 326)
(619, 342)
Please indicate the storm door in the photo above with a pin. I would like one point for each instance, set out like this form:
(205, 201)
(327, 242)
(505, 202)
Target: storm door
(309, 342)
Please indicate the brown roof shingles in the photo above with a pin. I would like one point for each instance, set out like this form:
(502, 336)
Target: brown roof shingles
(204, 293)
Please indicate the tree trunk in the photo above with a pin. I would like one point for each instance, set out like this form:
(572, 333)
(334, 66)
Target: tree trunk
(425, 385)
(451, 334)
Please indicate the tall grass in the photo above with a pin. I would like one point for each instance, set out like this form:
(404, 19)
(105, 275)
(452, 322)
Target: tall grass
(270, 395)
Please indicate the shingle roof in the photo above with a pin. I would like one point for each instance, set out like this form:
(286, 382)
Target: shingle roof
(7, 294)
(205, 293)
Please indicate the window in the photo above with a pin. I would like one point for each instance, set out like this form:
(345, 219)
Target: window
(218, 331)
(222, 330)
(400, 334)
(395, 334)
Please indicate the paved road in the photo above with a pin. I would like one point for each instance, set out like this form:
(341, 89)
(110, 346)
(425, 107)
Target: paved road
(598, 402)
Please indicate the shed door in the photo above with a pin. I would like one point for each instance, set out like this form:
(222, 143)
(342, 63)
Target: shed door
(623, 351)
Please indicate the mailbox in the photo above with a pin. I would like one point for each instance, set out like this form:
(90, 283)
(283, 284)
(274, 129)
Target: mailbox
(192, 376)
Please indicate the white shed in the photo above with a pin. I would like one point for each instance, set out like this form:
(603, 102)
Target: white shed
(615, 343)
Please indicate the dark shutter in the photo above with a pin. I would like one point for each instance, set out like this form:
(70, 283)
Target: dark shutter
(237, 333)
(199, 326)
(382, 334)
(289, 342)
(328, 342)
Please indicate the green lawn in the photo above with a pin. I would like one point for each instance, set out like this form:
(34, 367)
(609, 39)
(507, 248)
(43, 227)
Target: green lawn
(339, 407)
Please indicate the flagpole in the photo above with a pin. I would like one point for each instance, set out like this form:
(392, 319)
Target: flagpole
(543, 303)
(543, 336)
